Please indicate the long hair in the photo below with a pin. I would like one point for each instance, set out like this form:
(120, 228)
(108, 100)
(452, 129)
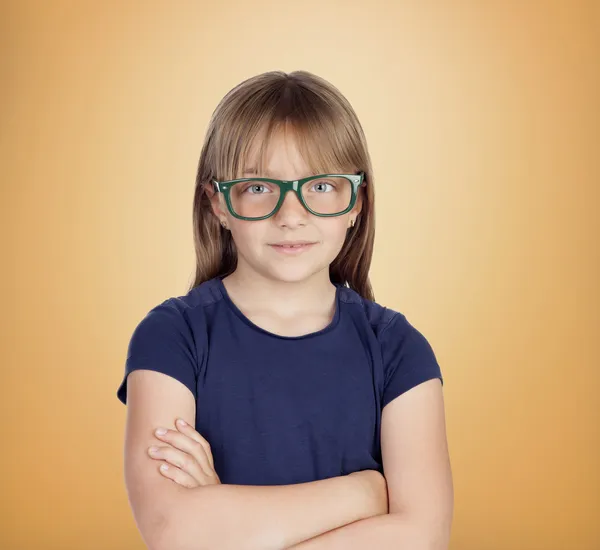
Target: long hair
(331, 140)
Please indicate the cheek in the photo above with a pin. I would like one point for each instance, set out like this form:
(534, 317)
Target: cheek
(334, 233)
(248, 236)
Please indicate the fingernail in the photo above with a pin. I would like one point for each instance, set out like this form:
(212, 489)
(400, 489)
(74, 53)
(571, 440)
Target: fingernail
(161, 431)
(181, 422)
(164, 467)
(152, 450)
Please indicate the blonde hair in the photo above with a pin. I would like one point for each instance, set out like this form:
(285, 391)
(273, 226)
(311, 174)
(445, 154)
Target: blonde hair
(331, 140)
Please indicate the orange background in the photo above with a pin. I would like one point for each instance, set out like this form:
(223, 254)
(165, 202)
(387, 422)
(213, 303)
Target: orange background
(483, 120)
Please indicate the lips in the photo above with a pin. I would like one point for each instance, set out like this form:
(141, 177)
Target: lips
(292, 243)
(292, 247)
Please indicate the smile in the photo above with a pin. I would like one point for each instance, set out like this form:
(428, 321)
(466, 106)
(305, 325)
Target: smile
(292, 248)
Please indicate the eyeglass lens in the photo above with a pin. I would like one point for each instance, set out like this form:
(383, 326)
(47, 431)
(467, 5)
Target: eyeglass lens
(328, 195)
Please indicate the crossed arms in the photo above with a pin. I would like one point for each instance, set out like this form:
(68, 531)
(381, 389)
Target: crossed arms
(411, 509)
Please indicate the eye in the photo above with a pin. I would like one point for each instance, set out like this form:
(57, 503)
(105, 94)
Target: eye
(256, 189)
(322, 186)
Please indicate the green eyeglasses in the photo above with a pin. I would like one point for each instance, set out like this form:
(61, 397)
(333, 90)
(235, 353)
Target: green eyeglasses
(260, 198)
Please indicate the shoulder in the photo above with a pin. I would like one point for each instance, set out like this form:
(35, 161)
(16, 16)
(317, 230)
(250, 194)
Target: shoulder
(203, 295)
(171, 337)
(189, 307)
(179, 320)
(378, 317)
(407, 355)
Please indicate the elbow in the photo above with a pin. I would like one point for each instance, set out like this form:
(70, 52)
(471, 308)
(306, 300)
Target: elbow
(176, 537)
(188, 524)
(170, 534)
(158, 525)
(206, 524)
(171, 537)
(437, 534)
(153, 530)
(424, 531)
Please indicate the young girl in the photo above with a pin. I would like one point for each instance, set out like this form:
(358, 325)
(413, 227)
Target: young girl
(314, 415)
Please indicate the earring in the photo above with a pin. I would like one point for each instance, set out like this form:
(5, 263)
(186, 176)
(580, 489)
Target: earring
(352, 223)
(223, 224)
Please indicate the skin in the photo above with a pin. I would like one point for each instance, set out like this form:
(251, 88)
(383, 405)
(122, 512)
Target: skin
(189, 453)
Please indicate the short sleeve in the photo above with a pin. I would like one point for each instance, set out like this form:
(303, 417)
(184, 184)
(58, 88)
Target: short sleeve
(409, 359)
(163, 342)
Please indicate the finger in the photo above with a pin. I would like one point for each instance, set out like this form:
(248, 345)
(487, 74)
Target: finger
(190, 432)
(186, 429)
(177, 439)
(178, 476)
(189, 446)
(181, 460)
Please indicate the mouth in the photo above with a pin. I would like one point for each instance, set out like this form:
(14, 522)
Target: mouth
(294, 247)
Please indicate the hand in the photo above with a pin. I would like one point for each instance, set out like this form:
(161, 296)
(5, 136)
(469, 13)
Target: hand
(189, 456)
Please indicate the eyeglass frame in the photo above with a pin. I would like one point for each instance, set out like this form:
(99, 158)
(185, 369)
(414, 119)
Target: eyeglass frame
(224, 187)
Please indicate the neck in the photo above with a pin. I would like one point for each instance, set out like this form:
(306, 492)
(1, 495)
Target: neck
(286, 298)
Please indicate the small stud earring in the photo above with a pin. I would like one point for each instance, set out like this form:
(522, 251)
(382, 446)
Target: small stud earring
(352, 223)
(223, 224)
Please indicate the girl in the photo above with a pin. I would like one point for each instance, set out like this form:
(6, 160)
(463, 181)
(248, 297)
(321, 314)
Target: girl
(299, 391)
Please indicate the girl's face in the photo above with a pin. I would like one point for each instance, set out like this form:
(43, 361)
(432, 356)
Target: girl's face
(259, 242)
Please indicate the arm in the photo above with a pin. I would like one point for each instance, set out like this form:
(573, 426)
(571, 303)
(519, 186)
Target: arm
(170, 516)
(266, 517)
(419, 480)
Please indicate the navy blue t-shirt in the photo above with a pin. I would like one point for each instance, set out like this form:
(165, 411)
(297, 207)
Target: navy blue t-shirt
(278, 410)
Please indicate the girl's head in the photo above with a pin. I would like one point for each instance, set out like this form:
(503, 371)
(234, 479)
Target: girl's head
(286, 127)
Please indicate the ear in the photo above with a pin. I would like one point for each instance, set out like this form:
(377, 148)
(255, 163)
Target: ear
(216, 202)
(356, 210)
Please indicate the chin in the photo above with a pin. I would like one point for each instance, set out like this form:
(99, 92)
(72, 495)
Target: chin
(292, 272)
(292, 269)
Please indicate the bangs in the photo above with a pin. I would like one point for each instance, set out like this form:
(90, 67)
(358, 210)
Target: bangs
(320, 128)
(321, 153)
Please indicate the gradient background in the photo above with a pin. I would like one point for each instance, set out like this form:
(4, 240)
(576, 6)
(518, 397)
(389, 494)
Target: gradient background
(483, 120)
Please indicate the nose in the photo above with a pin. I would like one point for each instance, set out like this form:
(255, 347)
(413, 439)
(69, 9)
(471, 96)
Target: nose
(292, 213)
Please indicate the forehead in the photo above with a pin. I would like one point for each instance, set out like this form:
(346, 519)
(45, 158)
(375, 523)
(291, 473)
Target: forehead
(288, 152)
(276, 156)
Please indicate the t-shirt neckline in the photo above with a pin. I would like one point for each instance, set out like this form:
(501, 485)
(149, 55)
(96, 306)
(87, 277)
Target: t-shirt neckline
(334, 321)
